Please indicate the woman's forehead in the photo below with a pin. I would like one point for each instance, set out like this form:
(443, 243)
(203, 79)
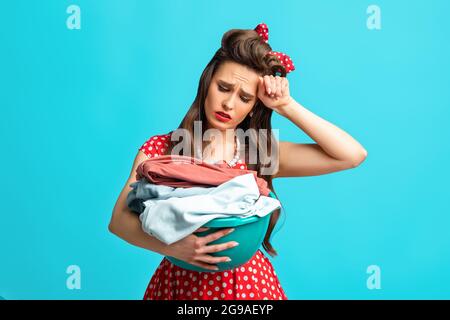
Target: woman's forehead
(233, 73)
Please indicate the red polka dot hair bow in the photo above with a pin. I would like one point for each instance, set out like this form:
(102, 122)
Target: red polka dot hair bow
(285, 60)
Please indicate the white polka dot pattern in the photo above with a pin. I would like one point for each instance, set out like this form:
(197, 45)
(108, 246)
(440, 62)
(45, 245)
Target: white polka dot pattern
(168, 282)
(156, 145)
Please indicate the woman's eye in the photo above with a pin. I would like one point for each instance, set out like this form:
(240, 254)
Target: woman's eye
(226, 90)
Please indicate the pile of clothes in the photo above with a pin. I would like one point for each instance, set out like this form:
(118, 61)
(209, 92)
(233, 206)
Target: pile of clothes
(175, 195)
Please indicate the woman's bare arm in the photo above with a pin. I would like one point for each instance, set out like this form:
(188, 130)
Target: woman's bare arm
(335, 149)
(126, 224)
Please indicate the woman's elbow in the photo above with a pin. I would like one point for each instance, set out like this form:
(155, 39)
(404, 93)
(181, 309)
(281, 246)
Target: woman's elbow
(113, 224)
(111, 227)
(359, 159)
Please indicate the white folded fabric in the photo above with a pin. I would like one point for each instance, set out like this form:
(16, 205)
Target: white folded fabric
(173, 218)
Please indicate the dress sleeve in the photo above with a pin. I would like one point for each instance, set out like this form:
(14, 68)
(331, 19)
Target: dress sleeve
(155, 145)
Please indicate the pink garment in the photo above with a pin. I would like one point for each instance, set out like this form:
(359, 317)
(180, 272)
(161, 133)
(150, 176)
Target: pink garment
(183, 172)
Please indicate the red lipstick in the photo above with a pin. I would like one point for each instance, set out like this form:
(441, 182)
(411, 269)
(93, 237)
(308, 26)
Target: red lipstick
(222, 116)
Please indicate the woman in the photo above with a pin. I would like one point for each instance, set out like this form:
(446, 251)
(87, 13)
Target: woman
(239, 89)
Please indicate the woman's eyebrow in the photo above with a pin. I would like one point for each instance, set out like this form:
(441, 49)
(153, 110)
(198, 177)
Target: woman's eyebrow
(232, 85)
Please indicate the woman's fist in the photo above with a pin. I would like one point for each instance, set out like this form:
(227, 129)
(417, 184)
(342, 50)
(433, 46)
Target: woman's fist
(274, 91)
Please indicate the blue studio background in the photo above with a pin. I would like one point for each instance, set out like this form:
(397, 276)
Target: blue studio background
(76, 104)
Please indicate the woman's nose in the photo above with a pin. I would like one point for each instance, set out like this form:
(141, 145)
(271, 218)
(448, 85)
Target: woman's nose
(229, 103)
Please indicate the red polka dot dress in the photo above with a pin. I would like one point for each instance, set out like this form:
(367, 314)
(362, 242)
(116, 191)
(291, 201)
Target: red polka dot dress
(254, 280)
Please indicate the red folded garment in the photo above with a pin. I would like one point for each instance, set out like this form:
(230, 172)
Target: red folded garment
(183, 172)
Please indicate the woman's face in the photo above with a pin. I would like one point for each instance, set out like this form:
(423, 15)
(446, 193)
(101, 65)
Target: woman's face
(233, 91)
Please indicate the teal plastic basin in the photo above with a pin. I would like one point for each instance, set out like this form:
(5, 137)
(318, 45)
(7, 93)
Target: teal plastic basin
(249, 232)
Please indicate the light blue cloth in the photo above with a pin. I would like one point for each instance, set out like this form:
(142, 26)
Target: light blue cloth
(173, 213)
(144, 190)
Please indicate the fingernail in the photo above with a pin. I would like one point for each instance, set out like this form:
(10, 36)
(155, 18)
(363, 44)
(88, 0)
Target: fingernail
(231, 230)
(216, 268)
(228, 260)
(235, 243)
(269, 91)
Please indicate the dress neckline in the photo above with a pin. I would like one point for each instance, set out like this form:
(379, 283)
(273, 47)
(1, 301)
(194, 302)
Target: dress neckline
(230, 163)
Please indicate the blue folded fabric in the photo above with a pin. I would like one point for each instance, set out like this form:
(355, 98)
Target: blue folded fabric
(144, 190)
(171, 214)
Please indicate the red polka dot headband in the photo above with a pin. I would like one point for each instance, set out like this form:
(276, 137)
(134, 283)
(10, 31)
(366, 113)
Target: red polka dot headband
(285, 60)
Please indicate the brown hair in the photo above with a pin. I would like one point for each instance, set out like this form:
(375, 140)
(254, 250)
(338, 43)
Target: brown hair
(246, 48)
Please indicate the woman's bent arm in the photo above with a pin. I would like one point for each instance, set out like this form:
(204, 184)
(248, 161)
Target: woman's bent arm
(126, 224)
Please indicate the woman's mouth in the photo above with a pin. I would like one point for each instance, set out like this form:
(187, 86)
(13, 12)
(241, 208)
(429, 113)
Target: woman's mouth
(221, 116)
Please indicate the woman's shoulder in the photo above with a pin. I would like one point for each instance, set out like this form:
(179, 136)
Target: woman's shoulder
(156, 145)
